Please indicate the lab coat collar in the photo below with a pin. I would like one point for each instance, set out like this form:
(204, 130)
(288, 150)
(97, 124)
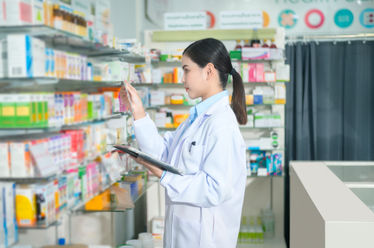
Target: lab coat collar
(224, 101)
(216, 107)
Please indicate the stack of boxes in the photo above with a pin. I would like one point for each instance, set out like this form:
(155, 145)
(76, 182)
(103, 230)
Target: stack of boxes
(8, 224)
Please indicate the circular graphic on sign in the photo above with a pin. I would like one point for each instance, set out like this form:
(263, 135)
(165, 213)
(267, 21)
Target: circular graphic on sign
(211, 20)
(266, 19)
(314, 18)
(287, 18)
(367, 18)
(343, 18)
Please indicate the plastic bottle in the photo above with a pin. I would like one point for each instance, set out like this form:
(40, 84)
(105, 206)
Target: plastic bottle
(238, 46)
(267, 218)
(265, 45)
(246, 43)
(252, 231)
(273, 44)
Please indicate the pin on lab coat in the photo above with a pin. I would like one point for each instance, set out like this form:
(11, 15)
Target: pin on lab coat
(203, 207)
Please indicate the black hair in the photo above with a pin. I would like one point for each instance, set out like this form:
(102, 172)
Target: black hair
(214, 51)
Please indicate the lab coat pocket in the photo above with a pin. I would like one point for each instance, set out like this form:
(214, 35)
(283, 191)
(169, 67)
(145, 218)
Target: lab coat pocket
(186, 226)
(207, 226)
(191, 157)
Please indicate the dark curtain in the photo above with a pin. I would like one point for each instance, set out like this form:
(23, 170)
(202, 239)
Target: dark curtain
(330, 103)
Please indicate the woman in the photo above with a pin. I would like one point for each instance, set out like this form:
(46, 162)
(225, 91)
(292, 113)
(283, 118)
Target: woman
(203, 207)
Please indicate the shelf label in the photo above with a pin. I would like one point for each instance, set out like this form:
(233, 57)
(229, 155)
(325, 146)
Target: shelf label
(185, 21)
(240, 19)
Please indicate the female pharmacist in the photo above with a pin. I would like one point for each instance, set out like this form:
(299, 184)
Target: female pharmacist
(203, 207)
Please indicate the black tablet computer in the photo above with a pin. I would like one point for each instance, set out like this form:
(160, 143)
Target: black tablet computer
(136, 153)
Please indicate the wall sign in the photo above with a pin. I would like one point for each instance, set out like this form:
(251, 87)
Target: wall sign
(314, 19)
(240, 19)
(343, 18)
(185, 21)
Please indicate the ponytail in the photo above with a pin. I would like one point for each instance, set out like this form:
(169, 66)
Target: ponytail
(238, 98)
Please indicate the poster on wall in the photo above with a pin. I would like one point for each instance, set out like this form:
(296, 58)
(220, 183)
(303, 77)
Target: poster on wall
(298, 17)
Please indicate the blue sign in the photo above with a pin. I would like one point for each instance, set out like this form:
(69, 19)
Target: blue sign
(367, 18)
(343, 18)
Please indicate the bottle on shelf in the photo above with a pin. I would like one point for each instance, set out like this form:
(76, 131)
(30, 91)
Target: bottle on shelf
(273, 44)
(238, 46)
(265, 44)
(246, 43)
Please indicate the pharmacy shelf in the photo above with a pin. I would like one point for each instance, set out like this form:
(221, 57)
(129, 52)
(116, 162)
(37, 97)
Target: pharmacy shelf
(270, 150)
(268, 243)
(241, 128)
(269, 176)
(80, 205)
(71, 42)
(221, 34)
(28, 180)
(176, 63)
(180, 85)
(16, 131)
(114, 209)
(39, 226)
(189, 106)
(52, 84)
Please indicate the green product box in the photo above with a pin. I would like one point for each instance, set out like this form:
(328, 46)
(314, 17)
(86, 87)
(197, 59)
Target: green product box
(23, 111)
(8, 110)
(90, 107)
(236, 55)
(34, 110)
(45, 109)
(83, 178)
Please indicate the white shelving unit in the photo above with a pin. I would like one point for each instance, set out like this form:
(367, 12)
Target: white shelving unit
(68, 42)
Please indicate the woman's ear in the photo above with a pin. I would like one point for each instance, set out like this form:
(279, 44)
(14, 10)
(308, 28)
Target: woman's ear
(210, 70)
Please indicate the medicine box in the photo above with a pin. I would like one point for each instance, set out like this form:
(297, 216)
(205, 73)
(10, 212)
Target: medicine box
(4, 160)
(45, 203)
(18, 12)
(249, 53)
(8, 201)
(26, 56)
(20, 159)
(7, 110)
(25, 205)
(23, 110)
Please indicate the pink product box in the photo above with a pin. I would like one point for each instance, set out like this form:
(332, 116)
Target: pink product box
(260, 72)
(250, 53)
(252, 72)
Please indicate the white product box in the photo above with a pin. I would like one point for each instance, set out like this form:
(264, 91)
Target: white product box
(18, 12)
(2, 220)
(157, 97)
(160, 119)
(276, 53)
(37, 12)
(156, 76)
(283, 72)
(39, 57)
(249, 53)
(4, 160)
(8, 201)
(45, 200)
(20, 59)
(20, 160)
(3, 58)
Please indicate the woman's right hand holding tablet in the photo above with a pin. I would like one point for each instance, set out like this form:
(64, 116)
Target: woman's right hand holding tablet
(131, 98)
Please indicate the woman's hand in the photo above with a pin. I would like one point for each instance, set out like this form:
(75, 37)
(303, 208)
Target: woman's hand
(155, 170)
(135, 103)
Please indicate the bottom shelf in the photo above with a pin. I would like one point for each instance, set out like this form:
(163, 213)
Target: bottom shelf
(268, 243)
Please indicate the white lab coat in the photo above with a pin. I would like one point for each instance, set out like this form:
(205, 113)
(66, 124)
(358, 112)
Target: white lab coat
(203, 207)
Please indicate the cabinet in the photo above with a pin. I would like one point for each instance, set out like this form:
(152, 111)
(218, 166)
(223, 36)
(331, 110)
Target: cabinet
(57, 124)
(264, 134)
